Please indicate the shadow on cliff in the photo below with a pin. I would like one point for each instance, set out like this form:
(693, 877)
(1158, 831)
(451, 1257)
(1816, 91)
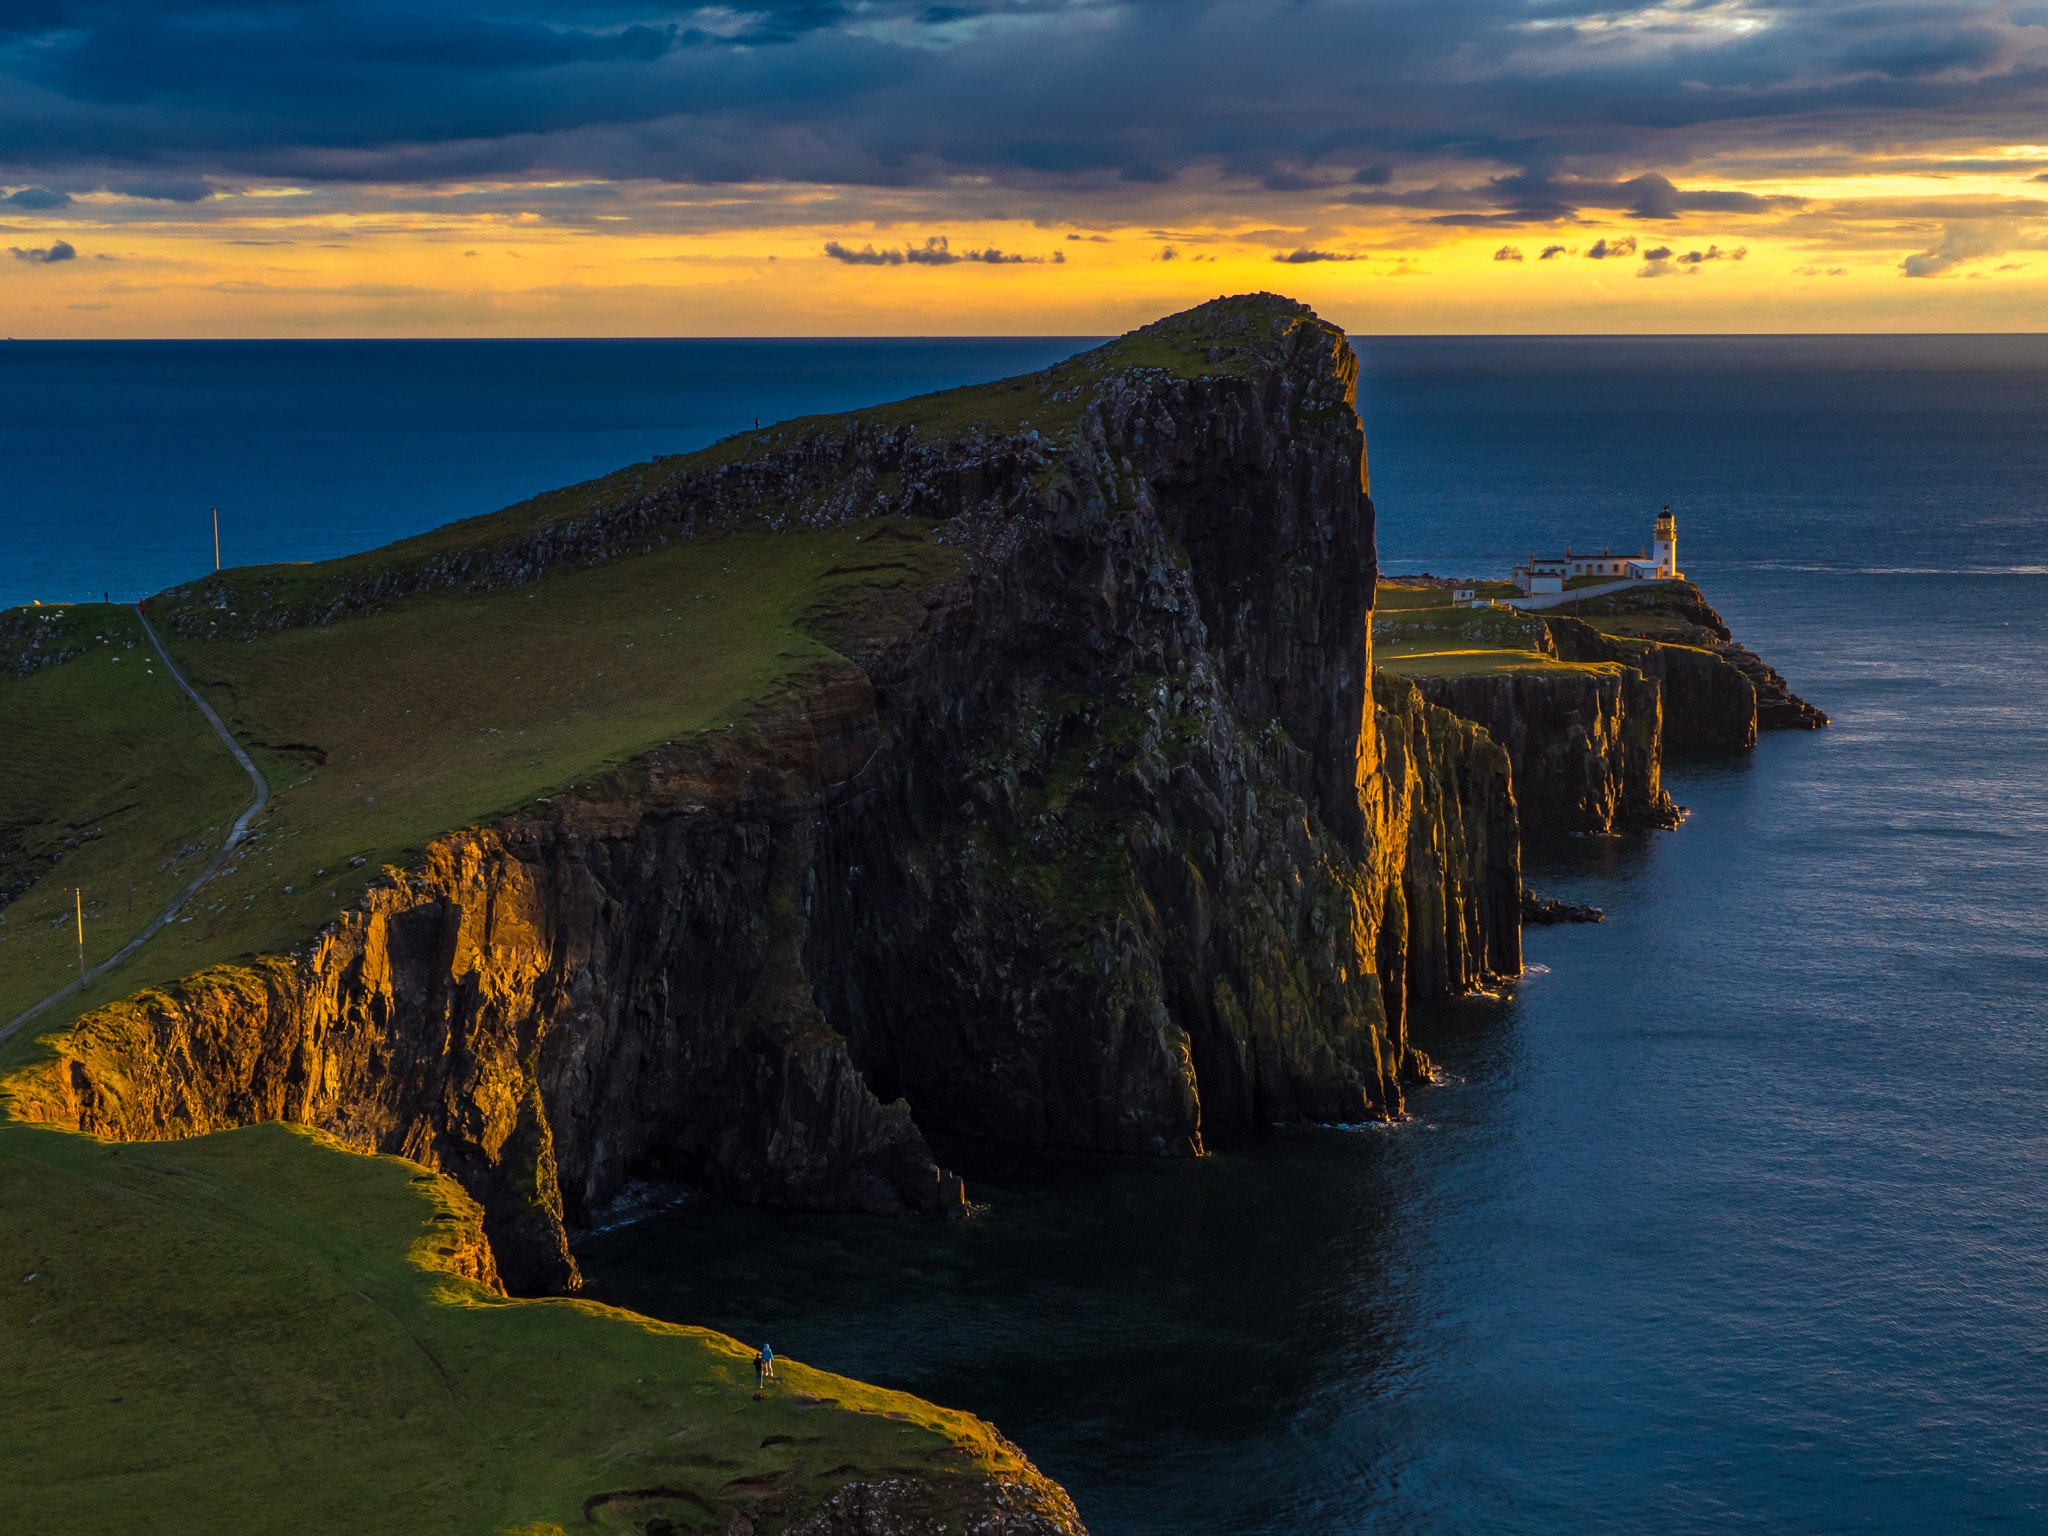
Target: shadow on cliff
(1103, 843)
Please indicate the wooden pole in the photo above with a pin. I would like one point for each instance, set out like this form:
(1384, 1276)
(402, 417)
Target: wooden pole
(80, 895)
(216, 538)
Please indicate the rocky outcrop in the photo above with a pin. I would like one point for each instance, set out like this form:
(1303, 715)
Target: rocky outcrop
(1107, 841)
(1778, 708)
(1708, 703)
(1006, 1505)
(1452, 922)
(1700, 628)
(1586, 742)
(1587, 738)
(1546, 911)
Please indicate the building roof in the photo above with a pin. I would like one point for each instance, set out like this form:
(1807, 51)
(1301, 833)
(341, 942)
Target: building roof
(1568, 559)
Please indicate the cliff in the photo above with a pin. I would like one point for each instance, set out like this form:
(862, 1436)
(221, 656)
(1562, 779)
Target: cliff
(1580, 719)
(1103, 839)
(1587, 703)
(1677, 616)
(1452, 922)
(1586, 742)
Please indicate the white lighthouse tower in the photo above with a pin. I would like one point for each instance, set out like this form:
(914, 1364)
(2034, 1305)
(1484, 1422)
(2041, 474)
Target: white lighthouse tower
(1664, 549)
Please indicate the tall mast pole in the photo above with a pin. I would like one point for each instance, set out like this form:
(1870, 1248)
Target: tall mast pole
(216, 538)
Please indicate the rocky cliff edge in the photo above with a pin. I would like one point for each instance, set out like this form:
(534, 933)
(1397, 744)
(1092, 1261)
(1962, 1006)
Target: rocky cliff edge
(1106, 840)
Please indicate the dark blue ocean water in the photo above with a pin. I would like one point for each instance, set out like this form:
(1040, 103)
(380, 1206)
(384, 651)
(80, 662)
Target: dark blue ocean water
(1733, 1217)
(113, 454)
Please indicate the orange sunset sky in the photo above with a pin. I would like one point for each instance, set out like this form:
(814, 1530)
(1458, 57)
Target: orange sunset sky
(1057, 166)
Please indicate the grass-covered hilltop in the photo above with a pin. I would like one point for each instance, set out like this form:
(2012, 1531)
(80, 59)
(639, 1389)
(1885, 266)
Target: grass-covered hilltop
(1008, 762)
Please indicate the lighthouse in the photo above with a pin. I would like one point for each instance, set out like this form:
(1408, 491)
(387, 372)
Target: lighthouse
(1664, 549)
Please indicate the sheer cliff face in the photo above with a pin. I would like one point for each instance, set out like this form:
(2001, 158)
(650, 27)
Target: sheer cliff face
(1587, 741)
(1106, 842)
(1587, 745)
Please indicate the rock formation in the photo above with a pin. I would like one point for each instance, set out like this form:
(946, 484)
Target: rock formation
(1546, 911)
(1109, 840)
(1586, 744)
(1587, 740)
(1701, 629)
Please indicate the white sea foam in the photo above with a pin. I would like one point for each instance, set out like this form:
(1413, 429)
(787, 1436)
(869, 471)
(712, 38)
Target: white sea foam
(1393, 1123)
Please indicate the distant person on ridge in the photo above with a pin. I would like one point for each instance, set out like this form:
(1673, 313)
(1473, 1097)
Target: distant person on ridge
(768, 1360)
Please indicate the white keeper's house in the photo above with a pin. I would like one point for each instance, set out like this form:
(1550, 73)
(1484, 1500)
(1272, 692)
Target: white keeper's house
(1658, 563)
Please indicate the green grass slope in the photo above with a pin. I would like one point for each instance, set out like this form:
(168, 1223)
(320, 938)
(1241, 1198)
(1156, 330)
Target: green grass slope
(110, 784)
(260, 1331)
(257, 1331)
(386, 729)
(1417, 633)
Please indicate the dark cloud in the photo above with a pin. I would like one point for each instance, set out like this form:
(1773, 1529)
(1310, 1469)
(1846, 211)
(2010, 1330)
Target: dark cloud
(866, 256)
(1077, 94)
(1600, 250)
(1289, 181)
(1483, 220)
(1551, 253)
(1508, 253)
(1303, 256)
(937, 251)
(61, 250)
(1651, 196)
(1542, 198)
(1662, 259)
(39, 199)
(164, 190)
(1418, 198)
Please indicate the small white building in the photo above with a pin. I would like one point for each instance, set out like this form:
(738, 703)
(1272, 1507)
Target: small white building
(1658, 563)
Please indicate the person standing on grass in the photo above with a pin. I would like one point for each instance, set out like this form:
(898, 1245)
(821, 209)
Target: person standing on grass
(768, 1359)
(760, 1371)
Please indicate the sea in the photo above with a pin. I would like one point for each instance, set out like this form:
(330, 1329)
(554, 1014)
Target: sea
(1732, 1215)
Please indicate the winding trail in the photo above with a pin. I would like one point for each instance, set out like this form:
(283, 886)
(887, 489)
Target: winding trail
(235, 836)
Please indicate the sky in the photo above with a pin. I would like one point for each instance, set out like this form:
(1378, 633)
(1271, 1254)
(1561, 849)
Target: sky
(1069, 167)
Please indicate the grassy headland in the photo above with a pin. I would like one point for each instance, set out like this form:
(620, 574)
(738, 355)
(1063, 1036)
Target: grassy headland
(258, 1331)
(256, 1328)
(408, 718)
(381, 731)
(1416, 632)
